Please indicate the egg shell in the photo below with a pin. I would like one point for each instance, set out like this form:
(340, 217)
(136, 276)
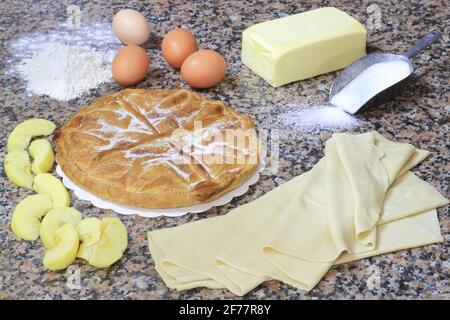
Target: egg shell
(204, 69)
(130, 65)
(131, 27)
(177, 45)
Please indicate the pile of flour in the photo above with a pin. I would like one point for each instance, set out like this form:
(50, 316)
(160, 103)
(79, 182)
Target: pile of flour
(65, 63)
(64, 72)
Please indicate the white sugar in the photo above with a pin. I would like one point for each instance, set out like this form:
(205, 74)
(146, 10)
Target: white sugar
(370, 82)
(318, 117)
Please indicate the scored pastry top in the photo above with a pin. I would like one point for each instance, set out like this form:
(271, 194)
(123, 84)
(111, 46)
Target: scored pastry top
(155, 148)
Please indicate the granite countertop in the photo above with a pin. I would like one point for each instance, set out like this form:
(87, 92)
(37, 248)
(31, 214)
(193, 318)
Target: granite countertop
(419, 115)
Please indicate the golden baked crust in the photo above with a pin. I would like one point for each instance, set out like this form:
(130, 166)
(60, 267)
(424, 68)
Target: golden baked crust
(125, 147)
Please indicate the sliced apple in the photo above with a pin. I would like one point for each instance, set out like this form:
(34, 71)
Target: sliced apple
(17, 168)
(89, 230)
(64, 252)
(83, 252)
(46, 183)
(21, 136)
(42, 153)
(109, 249)
(55, 219)
(25, 222)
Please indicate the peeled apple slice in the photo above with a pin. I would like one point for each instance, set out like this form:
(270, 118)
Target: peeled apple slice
(109, 249)
(115, 233)
(42, 153)
(21, 136)
(25, 222)
(83, 252)
(17, 168)
(89, 230)
(64, 252)
(46, 183)
(55, 219)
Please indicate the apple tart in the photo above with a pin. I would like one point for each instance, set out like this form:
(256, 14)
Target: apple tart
(154, 148)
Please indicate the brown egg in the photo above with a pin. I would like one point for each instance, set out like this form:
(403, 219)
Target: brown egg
(130, 65)
(204, 69)
(177, 45)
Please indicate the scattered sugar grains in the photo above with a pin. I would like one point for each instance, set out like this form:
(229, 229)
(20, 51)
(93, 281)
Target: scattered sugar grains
(65, 63)
(318, 117)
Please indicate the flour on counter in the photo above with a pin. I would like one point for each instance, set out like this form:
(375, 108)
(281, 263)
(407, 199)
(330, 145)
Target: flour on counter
(98, 36)
(318, 117)
(64, 72)
(65, 63)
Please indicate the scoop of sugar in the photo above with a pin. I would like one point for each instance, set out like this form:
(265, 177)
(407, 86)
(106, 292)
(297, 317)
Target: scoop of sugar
(369, 83)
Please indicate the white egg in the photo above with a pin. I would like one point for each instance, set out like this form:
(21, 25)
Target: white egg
(131, 27)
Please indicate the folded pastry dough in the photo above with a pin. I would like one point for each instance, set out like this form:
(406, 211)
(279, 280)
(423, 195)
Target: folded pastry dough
(358, 201)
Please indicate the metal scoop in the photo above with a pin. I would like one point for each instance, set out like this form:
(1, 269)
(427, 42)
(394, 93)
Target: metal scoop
(354, 69)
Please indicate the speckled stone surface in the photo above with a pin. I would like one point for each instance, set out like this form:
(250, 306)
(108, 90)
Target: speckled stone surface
(419, 115)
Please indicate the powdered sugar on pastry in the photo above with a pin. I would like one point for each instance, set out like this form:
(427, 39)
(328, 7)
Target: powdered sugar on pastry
(156, 155)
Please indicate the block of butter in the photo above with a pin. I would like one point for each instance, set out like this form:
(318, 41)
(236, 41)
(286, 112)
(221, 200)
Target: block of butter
(303, 45)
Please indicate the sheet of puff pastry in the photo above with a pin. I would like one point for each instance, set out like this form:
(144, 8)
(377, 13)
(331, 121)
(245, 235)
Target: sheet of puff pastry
(296, 232)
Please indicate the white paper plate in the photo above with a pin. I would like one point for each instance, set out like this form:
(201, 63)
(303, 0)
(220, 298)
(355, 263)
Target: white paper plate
(151, 213)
